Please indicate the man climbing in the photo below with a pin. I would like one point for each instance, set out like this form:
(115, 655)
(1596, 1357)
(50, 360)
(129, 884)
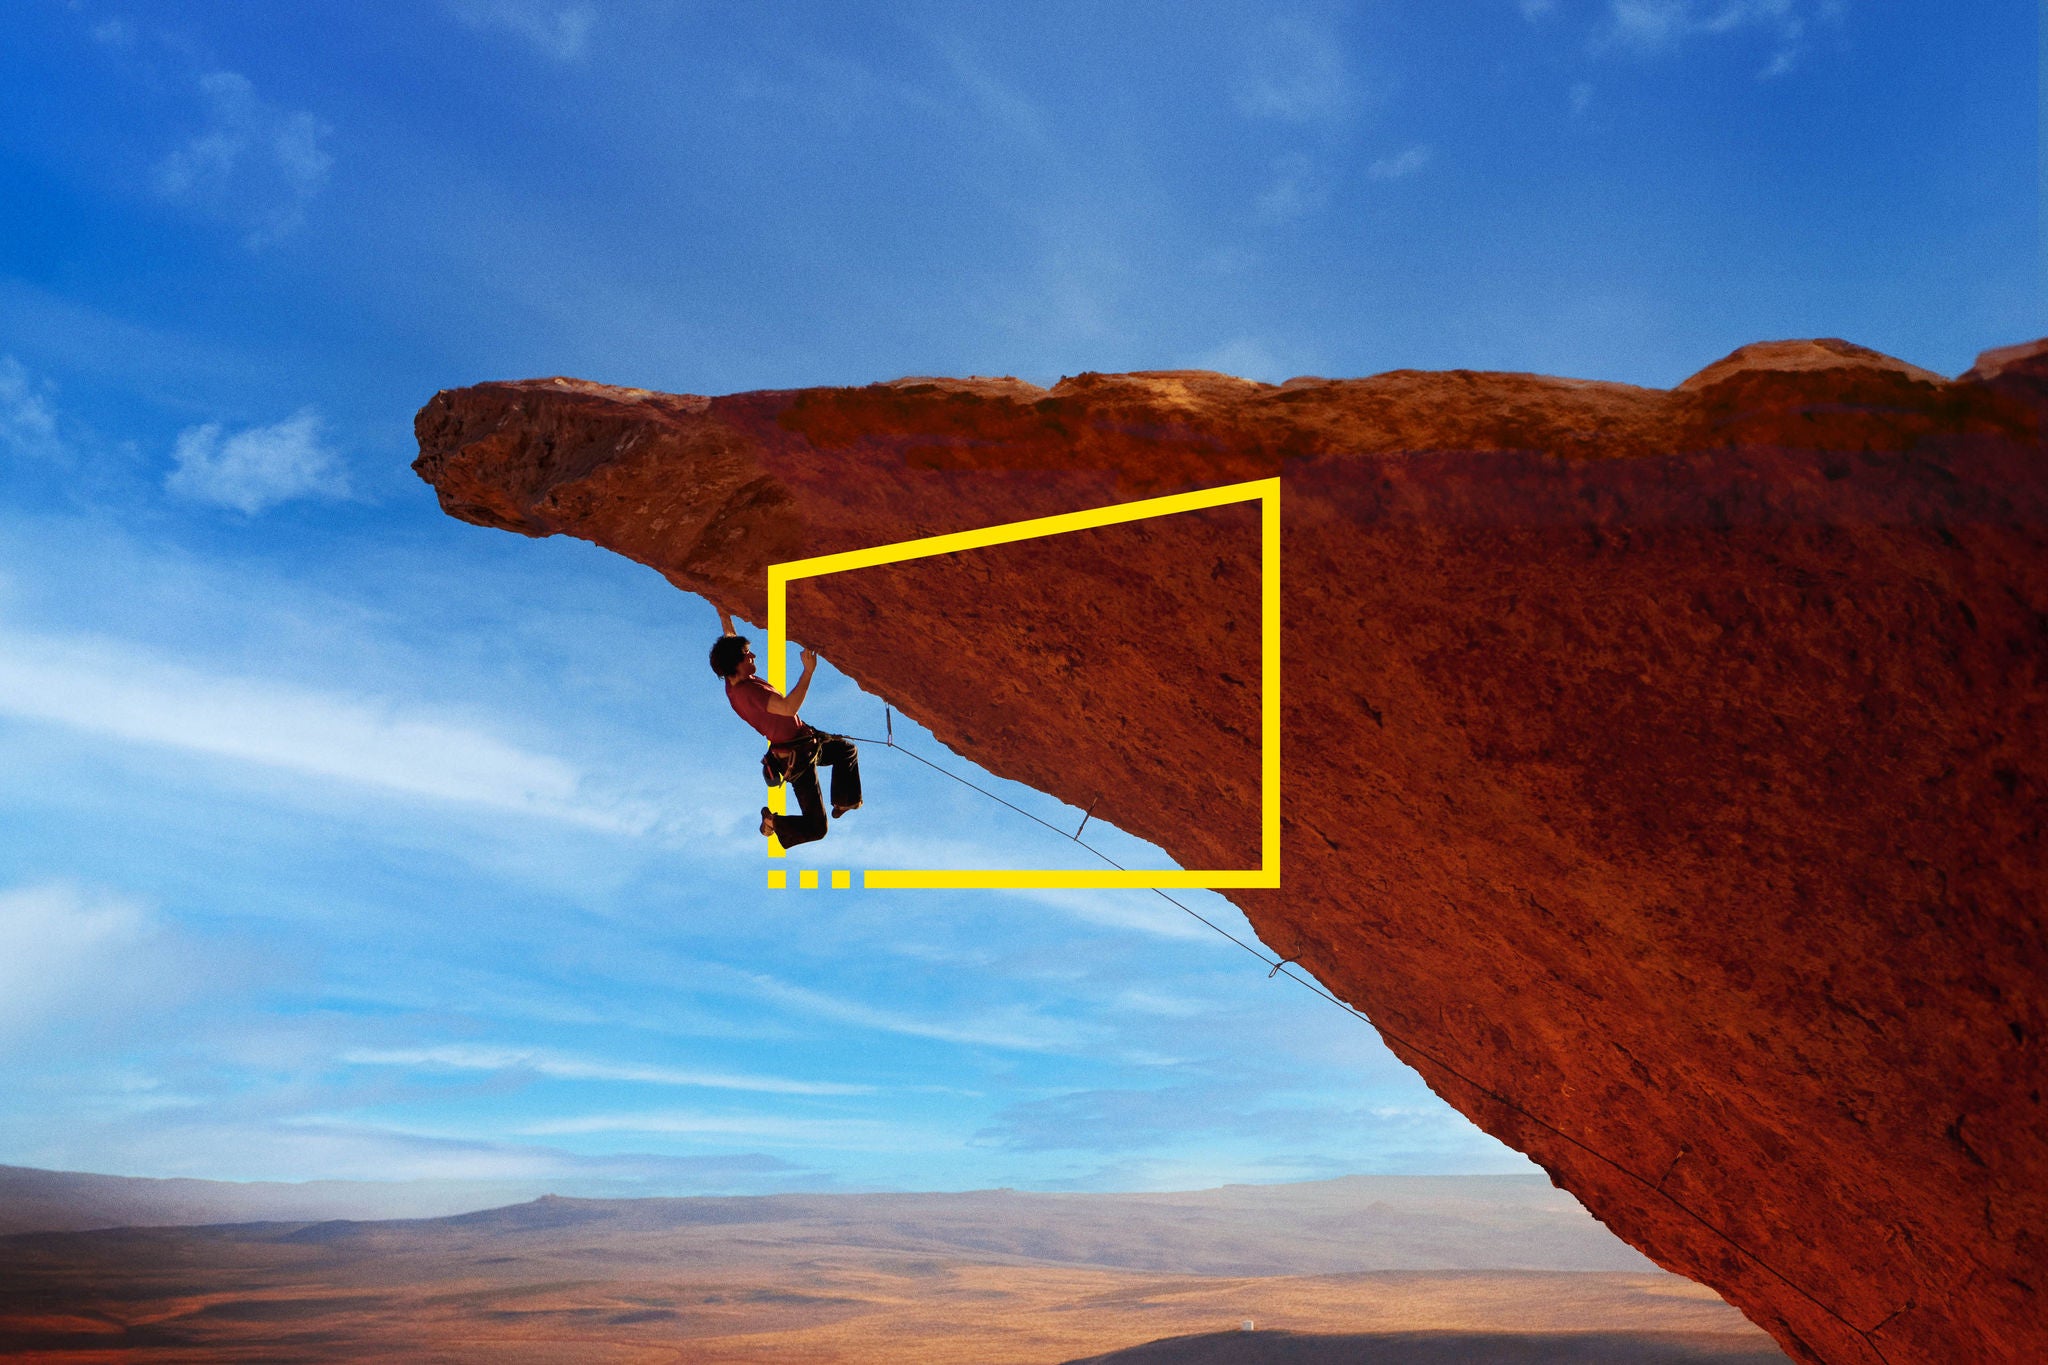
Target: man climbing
(794, 749)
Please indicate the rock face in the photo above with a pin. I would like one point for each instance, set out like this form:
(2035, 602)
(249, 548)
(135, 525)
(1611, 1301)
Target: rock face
(1662, 771)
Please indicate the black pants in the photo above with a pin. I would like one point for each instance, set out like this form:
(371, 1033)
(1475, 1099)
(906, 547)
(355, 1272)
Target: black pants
(840, 755)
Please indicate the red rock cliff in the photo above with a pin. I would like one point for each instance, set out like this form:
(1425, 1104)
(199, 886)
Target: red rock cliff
(1663, 770)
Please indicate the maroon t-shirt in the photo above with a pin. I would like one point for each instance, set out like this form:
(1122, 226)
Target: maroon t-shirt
(749, 697)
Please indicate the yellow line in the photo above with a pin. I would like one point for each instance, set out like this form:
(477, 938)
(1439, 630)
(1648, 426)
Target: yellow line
(1265, 491)
(778, 674)
(1269, 681)
(1008, 532)
(966, 879)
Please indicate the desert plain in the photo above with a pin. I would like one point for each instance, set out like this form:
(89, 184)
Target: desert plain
(1363, 1269)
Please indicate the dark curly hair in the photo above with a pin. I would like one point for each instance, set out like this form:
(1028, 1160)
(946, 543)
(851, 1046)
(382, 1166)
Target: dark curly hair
(725, 654)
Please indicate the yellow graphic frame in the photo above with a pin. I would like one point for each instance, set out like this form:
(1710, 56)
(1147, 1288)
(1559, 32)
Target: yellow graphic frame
(1266, 492)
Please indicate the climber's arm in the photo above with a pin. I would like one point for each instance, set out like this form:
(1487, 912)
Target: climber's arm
(725, 621)
(787, 706)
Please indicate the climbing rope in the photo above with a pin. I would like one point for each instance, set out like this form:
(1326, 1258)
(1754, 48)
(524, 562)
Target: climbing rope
(1280, 968)
(890, 743)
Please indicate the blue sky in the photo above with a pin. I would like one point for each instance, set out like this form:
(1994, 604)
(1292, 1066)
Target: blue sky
(341, 839)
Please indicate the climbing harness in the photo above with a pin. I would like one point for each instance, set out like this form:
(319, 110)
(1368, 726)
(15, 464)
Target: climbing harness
(1279, 968)
(792, 757)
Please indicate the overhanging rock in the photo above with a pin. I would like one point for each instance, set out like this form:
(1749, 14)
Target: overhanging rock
(1662, 769)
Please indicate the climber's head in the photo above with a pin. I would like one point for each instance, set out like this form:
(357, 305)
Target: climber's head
(732, 656)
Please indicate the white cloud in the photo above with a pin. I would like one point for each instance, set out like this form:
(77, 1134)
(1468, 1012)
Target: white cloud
(56, 942)
(1001, 105)
(555, 30)
(1781, 63)
(857, 1134)
(1136, 912)
(1537, 10)
(1295, 73)
(1401, 164)
(257, 467)
(114, 33)
(1727, 15)
(1016, 1030)
(1648, 25)
(1657, 26)
(1068, 297)
(1245, 357)
(1298, 189)
(469, 1057)
(1164, 1006)
(246, 1145)
(254, 163)
(112, 690)
(28, 424)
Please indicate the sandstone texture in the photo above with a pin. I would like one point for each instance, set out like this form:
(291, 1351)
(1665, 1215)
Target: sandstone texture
(1662, 770)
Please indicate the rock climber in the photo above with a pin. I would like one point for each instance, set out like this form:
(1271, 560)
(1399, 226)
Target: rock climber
(794, 749)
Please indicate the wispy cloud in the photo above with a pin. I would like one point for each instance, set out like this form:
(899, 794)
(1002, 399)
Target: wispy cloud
(1140, 913)
(254, 163)
(56, 943)
(257, 1147)
(1781, 63)
(257, 467)
(765, 1128)
(1295, 72)
(75, 338)
(1658, 26)
(1001, 106)
(115, 32)
(1016, 1030)
(124, 693)
(1298, 189)
(1164, 1006)
(467, 1057)
(554, 30)
(1076, 282)
(1401, 164)
(1129, 1120)
(1114, 1120)
(28, 420)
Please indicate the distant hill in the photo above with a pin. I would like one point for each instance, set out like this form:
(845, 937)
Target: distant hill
(69, 1201)
(1354, 1224)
